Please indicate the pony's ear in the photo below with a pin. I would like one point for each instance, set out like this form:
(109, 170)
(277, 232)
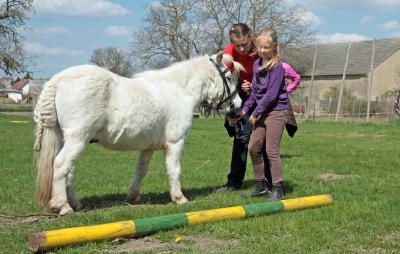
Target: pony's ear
(219, 56)
(236, 65)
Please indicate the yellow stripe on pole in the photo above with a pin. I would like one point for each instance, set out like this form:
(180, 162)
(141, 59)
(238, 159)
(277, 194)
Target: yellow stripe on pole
(306, 202)
(71, 236)
(235, 212)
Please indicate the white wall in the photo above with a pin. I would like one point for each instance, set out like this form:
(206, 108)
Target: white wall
(17, 97)
(25, 89)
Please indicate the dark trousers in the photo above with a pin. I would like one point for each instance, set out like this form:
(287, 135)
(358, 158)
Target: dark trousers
(241, 138)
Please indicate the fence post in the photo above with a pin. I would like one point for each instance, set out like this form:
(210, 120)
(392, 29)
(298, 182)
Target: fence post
(353, 107)
(371, 70)
(312, 83)
(342, 83)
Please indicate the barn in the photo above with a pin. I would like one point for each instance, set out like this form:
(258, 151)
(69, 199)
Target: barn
(330, 62)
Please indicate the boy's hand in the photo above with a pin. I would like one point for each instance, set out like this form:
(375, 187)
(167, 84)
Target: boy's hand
(232, 121)
(246, 86)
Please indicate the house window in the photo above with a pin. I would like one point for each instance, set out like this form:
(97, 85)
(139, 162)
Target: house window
(322, 104)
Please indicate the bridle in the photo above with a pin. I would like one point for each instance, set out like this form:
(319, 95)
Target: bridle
(227, 90)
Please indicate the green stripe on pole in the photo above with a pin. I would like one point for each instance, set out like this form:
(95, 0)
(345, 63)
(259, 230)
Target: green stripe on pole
(150, 225)
(263, 208)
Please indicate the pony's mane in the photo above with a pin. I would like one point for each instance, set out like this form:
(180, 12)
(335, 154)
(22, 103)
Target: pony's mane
(225, 58)
(169, 68)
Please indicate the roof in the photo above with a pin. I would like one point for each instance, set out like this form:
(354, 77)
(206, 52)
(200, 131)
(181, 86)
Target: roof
(20, 84)
(331, 58)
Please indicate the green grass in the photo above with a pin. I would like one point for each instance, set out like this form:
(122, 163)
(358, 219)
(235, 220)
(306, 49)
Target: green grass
(364, 217)
(15, 107)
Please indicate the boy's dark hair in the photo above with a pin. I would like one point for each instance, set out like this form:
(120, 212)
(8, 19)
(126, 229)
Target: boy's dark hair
(239, 30)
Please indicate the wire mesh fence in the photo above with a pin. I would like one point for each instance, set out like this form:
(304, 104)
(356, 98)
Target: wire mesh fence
(355, 81)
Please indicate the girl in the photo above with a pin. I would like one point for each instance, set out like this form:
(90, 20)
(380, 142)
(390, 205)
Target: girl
(269, 96)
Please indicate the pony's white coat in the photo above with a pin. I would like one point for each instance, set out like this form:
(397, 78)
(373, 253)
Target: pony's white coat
(151, 111)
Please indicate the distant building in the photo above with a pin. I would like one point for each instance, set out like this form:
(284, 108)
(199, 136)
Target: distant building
(330, 62)
(20, 88)
(23, 88)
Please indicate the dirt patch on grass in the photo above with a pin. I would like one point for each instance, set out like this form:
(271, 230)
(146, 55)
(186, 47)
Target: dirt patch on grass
(393, 237)
(193, 244)
(353, 135)
(25, 219)
(375, 250)
(333, 176)
(145, 244)
(378, 135)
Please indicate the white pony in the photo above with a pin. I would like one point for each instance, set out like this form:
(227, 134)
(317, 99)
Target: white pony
(151, 111)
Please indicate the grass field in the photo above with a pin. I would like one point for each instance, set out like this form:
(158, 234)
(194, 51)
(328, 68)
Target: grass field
(15, 107)
(363, 161)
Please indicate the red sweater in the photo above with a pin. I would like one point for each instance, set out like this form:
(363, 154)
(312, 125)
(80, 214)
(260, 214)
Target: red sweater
(245, 60)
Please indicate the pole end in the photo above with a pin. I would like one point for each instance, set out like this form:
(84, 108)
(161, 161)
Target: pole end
(35, 240)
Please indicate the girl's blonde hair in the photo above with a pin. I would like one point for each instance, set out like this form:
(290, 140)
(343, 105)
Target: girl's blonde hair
(271, 37)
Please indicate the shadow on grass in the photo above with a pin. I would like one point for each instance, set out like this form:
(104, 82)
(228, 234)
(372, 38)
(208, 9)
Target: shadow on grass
(288, 186)
(118, 199)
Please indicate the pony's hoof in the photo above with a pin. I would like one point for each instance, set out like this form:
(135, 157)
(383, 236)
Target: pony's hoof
(66, 210)
(133, 197)
(60, 209)
(76, 206)
(180, 200)
(137, 201)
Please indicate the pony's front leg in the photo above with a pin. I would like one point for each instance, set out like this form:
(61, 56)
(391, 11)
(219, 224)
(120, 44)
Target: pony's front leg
(63, 164)
(173, 153)
(142, 166)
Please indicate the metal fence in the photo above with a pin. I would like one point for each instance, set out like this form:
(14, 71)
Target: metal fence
(356, 81)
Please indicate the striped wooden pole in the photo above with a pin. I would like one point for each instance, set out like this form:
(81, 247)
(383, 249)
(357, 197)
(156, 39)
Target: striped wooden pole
(139, 227)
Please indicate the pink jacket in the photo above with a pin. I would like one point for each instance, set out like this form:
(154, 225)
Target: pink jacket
(291, 75)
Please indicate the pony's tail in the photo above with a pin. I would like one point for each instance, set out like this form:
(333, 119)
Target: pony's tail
(47, 142)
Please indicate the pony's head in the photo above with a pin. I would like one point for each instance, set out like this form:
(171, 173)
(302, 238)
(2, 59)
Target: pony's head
(224, 92)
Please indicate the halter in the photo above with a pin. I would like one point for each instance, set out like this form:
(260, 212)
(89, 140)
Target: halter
(226, 87)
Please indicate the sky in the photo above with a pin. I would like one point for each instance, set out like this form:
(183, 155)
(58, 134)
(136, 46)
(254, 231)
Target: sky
(64, 33)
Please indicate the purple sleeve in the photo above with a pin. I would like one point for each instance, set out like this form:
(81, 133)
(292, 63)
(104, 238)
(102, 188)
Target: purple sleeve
(276, 80)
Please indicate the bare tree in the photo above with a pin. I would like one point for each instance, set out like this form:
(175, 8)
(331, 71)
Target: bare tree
(176, 30)
(169, 33)
(12, 19)
(114, 60)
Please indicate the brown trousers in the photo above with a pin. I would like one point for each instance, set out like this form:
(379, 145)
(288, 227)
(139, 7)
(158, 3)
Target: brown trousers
(268, 130)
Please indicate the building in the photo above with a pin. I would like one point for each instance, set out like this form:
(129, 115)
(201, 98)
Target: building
(25, 88)
(330, 63)
(19, 89)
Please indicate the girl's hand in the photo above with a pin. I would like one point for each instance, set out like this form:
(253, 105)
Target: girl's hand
(252, 120)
